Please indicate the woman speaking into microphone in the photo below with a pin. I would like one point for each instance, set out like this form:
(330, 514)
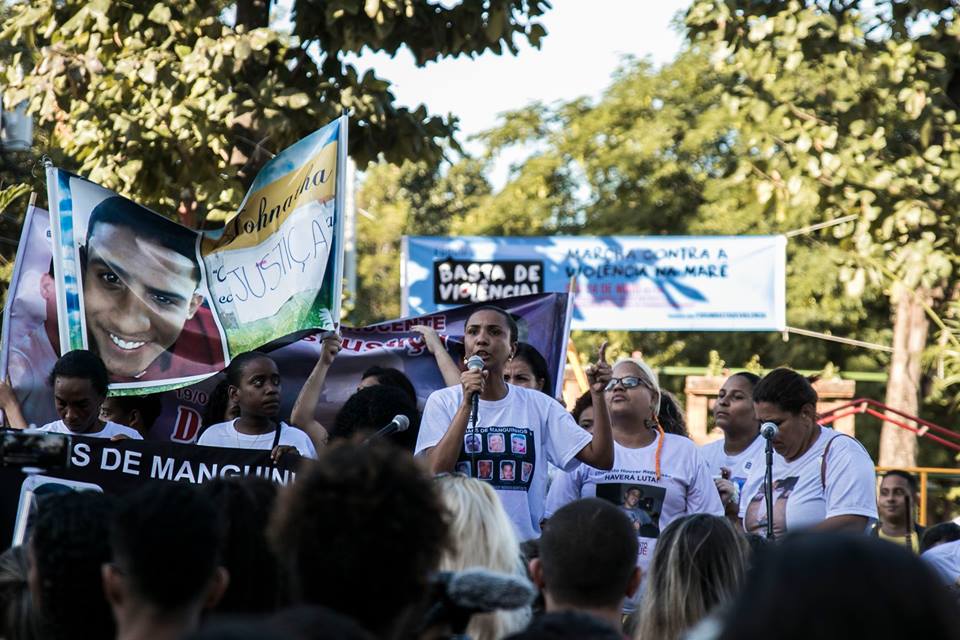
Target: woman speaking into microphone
(822, 479)
(516, 431)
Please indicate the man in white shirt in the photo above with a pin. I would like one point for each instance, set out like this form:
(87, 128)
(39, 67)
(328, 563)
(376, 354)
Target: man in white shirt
(79, 382)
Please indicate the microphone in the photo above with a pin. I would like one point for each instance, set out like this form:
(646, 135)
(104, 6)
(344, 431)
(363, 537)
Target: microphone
(475, 363)
(399, 423)
(769, 430)
(456, 596)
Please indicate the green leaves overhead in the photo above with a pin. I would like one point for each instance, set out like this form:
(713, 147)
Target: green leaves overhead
(174, 106)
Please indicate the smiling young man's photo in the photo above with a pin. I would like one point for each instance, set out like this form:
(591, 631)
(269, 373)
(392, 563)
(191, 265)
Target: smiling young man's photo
(144, 307)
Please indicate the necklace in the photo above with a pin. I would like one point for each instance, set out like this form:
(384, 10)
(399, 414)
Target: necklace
(253, 444)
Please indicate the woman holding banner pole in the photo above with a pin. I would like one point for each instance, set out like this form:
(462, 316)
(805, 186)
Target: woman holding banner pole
(514, 432)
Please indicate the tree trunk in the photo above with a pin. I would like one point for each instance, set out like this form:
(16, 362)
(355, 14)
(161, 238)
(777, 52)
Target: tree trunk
(898, 447)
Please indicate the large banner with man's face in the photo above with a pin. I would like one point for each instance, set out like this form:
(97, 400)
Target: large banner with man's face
(166, 306)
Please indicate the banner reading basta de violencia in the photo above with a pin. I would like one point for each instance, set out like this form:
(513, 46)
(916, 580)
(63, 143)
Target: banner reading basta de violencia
(167, 306)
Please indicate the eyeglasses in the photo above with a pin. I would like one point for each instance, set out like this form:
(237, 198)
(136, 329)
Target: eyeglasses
(627, 382)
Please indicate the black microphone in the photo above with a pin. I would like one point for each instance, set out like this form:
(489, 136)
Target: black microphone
(475, 363)
(456, 596)
(769, 430)
(399, 423)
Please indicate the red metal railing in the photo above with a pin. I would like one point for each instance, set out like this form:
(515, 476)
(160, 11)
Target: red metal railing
(940, 435)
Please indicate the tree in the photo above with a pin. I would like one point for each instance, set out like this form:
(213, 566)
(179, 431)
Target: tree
(176, 105)
(411, 199)
(852, 105)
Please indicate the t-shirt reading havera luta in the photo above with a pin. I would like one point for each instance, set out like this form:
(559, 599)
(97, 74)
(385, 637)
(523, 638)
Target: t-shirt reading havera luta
(801, 498)
(740, 464)
(684, 487)
(510, 446)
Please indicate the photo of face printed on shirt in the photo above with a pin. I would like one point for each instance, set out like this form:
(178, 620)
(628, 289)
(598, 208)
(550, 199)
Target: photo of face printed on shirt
(756, 517)
(471, 443)
(496, 443)
(463, 467)
(485, 469)
(518, 443)
(641, 502)
(508, 471)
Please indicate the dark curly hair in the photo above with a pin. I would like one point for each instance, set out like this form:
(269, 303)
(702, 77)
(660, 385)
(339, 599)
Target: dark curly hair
(390, 377)
(83, 364)
(69, 543)
(372, 408)
(360, 532)
(166, 539)
(583, 403)
(671, 415)
(244, 505)
(785, 388)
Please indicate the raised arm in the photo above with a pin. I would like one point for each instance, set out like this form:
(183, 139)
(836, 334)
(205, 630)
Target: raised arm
(448, 368)
(599, 453)
(10, 406)
(305, 407)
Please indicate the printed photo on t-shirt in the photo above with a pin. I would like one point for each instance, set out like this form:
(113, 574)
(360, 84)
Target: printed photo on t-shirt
(506, 469)
(641, 502)
(756, 516)
(485, 469)
(472, 444)
(463, 467)
(526, 470)
(496, 443)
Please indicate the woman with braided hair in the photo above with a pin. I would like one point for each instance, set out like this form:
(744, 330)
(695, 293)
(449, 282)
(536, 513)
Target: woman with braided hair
(656, 478)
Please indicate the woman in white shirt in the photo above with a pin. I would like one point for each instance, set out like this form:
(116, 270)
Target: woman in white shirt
(822, 479)
(656, 478)
(517, 431)
(254, 385)
(731, 458)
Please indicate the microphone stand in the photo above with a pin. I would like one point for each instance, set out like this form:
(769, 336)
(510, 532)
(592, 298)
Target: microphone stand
(768, 488)
(475, 401)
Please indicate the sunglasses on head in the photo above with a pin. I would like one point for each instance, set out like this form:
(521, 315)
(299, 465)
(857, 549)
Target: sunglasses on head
(627, 382)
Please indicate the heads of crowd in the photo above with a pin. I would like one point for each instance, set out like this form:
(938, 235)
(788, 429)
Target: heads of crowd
(141, 284)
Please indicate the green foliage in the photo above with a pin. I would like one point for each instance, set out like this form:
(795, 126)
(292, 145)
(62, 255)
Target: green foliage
(412, 199)
(169, 104)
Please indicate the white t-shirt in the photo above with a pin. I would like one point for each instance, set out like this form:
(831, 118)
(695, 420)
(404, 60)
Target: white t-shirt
(945, 560)
(800, 499)
(513, 441)
(685, 487)
(109, 430)
(225, 434)
(740, 464)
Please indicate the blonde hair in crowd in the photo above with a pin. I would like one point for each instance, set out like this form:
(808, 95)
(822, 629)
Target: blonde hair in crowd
(699, 563)
(481, 535)
(650, 376)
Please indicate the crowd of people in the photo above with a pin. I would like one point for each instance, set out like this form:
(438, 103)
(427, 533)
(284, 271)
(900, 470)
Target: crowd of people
(496, 514)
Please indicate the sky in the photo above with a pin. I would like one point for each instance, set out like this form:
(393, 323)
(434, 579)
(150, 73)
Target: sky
(587, 40)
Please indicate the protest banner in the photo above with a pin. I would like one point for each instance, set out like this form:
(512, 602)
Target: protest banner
(97, 464)
(542, 321)
(29, 345)
(660, 283)
(166, 306)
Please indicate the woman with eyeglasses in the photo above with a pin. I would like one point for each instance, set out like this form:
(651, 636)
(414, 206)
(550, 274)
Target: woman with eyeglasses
(517, 430)
(656, 478)
(822, 479)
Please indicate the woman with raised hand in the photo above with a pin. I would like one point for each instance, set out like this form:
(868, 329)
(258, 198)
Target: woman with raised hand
(656, 477)
(822, 479)
(304, 410)
(732, 457)
(517, 431)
